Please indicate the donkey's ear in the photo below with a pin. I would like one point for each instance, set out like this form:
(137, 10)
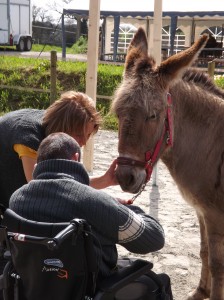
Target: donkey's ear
(139, 41)
(137, 48)
(174, 66)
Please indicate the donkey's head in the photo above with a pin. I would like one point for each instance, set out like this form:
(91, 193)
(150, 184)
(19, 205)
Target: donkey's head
(142, 105)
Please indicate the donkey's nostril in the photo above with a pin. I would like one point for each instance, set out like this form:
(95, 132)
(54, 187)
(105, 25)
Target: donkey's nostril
(131, 180)
(125, 179)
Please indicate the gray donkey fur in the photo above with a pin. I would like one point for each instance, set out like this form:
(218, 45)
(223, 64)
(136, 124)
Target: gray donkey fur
(196, 159)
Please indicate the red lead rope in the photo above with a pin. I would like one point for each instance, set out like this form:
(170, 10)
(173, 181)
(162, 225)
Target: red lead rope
(150, 159)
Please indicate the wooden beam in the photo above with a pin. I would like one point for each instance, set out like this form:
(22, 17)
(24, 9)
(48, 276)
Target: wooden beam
(155, 50)
(91, 76)
(157, 31)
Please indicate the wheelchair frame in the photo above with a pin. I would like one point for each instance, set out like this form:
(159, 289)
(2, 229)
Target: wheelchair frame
(108, 287)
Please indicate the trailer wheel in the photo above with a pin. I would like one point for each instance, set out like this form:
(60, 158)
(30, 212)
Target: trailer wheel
(21, 45)
(28, 44)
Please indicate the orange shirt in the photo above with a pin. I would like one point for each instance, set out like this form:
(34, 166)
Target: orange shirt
(25, 151)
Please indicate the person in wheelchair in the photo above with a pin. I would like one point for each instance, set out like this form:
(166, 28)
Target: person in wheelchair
(22, 131)
(60, 191)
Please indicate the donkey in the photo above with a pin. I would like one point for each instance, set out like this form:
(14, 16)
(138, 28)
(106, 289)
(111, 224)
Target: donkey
(176, 113)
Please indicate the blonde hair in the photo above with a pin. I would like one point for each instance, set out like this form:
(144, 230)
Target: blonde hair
(70, 114)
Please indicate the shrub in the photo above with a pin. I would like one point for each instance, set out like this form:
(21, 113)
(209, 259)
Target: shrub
(219, 80)
(80, 46)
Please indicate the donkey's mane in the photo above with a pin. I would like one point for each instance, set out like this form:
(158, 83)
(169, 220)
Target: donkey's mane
(192, 76)
(203, 80)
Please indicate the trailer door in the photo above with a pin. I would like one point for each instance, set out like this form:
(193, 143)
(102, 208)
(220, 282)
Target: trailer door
(20, 19)
(4, 22)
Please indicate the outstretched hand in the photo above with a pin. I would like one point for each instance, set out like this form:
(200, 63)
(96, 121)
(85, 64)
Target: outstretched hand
(108, 179)
(110, 174)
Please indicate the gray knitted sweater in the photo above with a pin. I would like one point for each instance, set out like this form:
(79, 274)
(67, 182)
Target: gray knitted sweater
(60, 192)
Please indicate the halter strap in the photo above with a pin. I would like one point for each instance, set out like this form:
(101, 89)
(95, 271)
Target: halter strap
(125, 161)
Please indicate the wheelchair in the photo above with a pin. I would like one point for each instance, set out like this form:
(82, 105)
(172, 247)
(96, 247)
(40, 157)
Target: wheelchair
(57, 261)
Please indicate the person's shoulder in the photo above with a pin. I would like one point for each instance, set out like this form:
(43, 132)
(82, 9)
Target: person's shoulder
(22, 114)
(27, 128)
(16, 196)
(30, 114)
(28, 119)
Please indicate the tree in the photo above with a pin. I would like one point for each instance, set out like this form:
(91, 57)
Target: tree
(35, 12)
(41, 14)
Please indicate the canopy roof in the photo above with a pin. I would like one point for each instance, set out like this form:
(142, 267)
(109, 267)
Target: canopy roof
(85, 13)
(144, 8)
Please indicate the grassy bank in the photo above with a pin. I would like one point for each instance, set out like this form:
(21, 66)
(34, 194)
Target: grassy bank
(33, 73)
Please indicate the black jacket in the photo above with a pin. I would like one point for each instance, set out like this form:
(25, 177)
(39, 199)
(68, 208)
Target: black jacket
(17, 127)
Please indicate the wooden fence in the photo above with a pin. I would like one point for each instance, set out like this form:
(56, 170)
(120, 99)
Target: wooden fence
(53, 80)
(53, 77)
(212, 65)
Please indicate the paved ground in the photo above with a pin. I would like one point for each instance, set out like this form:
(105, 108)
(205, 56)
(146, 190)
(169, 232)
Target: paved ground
(45, 55)
(180, 256)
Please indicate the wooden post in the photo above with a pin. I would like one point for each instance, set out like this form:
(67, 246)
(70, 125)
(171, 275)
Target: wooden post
(155, 38)
(211, 69)
(91, 75)
(156, 49)
(53, 94)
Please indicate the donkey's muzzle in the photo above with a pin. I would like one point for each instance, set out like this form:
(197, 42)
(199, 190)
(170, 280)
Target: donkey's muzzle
(130, 177)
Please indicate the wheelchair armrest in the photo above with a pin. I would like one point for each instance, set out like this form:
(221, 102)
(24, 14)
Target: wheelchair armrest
(122, 277)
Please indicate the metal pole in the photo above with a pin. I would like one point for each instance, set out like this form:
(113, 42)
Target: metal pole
(116, 36)
(63, 36)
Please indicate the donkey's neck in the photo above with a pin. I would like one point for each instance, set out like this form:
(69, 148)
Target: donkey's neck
(198, 130)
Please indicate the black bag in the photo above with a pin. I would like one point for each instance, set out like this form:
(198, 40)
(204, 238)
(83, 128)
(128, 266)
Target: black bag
(149, 286)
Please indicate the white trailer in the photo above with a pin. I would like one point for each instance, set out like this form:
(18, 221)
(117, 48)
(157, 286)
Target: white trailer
(16, 24)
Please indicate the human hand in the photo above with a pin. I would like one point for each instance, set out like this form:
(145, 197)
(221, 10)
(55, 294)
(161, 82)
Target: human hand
(108, 179)
(110, 174)
(123, 201)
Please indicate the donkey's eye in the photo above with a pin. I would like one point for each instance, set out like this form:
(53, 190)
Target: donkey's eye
(151, 117)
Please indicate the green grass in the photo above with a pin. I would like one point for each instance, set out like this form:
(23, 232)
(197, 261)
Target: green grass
(8, 63)
(79, 47)
(41, 48)
(48, 48)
